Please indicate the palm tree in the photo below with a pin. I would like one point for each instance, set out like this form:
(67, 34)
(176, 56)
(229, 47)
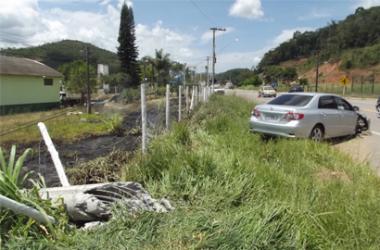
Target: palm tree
(162, 65)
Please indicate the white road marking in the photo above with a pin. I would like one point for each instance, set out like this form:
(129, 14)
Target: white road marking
(375, 133)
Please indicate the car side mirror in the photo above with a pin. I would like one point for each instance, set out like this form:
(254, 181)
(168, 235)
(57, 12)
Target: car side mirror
(356, 108)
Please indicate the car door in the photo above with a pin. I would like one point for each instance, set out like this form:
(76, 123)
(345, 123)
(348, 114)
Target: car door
(347, 115)
(329, 116)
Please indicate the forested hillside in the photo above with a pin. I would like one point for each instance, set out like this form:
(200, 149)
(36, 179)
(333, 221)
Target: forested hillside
(359, 34)
(66, 51)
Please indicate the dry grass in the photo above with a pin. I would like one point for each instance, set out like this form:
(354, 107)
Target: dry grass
(23, 127)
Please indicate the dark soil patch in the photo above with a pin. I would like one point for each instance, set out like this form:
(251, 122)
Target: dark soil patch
(90, 148)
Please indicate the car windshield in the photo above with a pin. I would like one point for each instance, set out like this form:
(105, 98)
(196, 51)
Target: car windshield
(292, 100)
(268, 88)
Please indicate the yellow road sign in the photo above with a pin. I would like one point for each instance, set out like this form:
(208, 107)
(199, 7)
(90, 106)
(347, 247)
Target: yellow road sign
(344, 80)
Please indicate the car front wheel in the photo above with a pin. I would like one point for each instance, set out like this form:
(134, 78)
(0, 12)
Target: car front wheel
(317, 133)
(361, 124)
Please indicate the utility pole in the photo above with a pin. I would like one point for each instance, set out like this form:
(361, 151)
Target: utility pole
(213, 53)
(88, 81)
(207, 74)
(317, 73)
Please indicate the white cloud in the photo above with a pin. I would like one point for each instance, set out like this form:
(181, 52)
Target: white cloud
(150, 38)
(226, 61)
(287, 34)
(250, 9)
(22, 24)
(207, 36)
(368, 3)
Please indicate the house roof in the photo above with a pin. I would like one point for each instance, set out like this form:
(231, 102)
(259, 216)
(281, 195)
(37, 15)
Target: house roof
(25, 67)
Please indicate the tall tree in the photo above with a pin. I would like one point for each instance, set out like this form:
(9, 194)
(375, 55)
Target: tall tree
(127, 50)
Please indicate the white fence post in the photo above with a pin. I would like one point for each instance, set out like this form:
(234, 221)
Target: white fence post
(187, 99)
(54, 155)
(143, 119)
(192, 99)
(179, 103)
(167, 106)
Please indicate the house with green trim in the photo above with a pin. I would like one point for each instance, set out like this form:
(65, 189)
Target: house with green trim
(27, 85)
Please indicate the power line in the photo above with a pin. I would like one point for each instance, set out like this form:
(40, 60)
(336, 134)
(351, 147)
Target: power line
(201, 11)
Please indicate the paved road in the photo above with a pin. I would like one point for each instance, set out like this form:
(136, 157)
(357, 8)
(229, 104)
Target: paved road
(363, 148)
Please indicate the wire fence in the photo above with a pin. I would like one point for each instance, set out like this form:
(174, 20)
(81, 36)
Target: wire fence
(162, 107)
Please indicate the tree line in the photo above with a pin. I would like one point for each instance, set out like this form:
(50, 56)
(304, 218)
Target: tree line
(358, 30)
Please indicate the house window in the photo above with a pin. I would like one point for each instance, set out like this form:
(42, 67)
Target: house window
(48, 82)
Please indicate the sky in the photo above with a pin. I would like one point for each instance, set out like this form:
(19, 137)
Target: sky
(180, 27)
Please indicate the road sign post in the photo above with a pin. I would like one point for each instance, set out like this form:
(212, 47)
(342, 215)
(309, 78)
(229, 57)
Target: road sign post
(344, 82)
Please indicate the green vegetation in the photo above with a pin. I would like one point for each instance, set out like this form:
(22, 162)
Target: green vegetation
(239, 77)
(233, 190)
(75, 77)
(14, 226)
(63, 127)
(358, 30)
(66, 51)
(280, 74)
(361, 58)
(127, 50)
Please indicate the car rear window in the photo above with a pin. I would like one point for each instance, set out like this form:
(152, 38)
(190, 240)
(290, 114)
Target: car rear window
(291, 100)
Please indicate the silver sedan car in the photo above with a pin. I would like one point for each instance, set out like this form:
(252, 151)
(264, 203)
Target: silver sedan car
(305, 115)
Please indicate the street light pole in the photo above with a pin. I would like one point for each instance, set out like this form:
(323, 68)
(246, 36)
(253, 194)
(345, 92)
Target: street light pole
(214, 29)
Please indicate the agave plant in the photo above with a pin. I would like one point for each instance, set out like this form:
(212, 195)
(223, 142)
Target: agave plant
(10, 179)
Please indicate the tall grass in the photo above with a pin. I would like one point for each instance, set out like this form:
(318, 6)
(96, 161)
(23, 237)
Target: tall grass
(11, 180)
(232, 190)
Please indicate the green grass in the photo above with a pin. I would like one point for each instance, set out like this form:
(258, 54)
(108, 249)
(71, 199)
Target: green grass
(232, 190)
(64, 127)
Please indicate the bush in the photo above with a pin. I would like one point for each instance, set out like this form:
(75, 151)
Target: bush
(254, 80)
(131, 95)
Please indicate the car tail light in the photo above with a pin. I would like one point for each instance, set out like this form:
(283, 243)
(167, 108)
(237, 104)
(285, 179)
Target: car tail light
(255, 113)
(291, 116)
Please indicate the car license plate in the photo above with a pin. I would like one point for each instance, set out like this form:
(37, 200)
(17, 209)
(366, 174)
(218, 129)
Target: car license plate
(271, 117)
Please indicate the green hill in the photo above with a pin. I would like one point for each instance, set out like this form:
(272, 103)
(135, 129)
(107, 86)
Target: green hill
(58, 53)
(354, 40)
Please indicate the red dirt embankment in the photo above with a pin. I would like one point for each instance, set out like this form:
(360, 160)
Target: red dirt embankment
(330, 72)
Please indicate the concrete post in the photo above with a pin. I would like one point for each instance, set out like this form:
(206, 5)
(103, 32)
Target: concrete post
(179, 102)
(143, 119)
(167, 106)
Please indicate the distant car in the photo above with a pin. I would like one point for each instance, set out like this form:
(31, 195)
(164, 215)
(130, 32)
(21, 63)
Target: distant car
(296, 88)
(267, 91)
(306, 115)
(219, 91)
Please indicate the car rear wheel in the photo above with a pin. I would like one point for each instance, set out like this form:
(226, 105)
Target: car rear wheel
(317, 134)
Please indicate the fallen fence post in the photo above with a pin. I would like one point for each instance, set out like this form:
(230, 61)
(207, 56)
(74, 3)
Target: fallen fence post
(167, 106)
(179, 102)
(54, 155)
(23, 209)
(143, 119)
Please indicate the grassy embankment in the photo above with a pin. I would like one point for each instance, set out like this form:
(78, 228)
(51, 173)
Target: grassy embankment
(232, 190)
(61, 127)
